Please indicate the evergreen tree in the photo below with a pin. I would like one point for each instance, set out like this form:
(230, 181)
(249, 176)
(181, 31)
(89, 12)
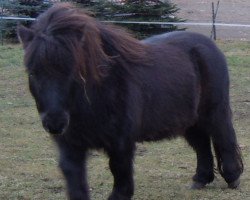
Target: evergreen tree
(124, 10)
(140, 11)
(31, 8)
(19, 8)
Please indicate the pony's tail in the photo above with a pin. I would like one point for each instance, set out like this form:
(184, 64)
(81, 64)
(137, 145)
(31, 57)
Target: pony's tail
(238, 160)
(219, 125)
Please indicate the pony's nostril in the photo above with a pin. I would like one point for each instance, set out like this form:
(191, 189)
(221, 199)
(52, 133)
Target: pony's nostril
(55, 128)
(61, 126)
(55, 124)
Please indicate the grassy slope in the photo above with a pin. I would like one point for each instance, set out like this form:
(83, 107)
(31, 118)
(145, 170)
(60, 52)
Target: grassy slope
(28, 158)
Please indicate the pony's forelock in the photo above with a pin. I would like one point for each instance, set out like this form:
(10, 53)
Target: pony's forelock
(85, 38)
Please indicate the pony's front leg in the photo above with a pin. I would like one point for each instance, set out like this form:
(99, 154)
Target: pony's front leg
(72, 164)
(121, 166)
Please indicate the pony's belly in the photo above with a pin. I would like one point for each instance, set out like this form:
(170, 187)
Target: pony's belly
(160, 135)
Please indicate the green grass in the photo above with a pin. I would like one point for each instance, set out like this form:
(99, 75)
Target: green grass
(163, 170)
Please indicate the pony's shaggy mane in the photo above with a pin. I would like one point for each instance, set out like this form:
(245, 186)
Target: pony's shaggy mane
(92, 43)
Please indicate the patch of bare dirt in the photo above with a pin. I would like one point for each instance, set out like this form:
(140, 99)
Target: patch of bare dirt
(230, 11)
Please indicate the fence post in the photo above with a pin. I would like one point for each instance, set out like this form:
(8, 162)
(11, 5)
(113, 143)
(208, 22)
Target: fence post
(1, 23)
(214, 15)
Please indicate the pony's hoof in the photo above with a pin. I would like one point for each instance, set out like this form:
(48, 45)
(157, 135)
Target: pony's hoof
(234, 185)
(197, 186)
(116, 196)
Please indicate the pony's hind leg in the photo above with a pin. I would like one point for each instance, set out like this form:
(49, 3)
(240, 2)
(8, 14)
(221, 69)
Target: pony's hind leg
(226, 148)
(201, 143)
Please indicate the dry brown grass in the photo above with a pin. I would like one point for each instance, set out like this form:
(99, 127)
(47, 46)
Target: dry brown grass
(163, 170)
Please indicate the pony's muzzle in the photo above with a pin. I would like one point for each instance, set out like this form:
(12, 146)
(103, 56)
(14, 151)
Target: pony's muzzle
(55, 123)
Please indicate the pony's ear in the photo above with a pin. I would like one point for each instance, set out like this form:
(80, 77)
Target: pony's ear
(25, 35)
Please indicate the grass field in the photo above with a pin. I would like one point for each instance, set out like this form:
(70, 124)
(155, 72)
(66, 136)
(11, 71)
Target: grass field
(163, 170)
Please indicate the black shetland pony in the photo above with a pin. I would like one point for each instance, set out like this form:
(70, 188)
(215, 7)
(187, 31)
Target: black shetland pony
(96, 87)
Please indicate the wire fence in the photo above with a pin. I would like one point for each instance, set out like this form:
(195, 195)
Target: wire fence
(145, 22)
(9, 22)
